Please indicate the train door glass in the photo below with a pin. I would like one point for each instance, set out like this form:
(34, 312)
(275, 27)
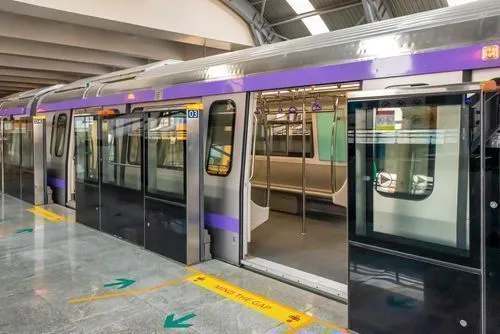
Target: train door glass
(122, 199)
(165, 197)
(27, 165)
(87, 170)
(12, 157)
(411, 216)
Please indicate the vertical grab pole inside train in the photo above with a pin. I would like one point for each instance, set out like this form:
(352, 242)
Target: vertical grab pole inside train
(304, 162)
(333, 176)
(268, 159)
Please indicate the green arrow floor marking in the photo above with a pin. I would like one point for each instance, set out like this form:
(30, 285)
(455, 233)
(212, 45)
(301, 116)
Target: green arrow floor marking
(24, 230)
(171, 323)
(121, 281)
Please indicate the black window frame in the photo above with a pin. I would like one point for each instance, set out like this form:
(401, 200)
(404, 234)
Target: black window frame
(210, 132)
(57, 141)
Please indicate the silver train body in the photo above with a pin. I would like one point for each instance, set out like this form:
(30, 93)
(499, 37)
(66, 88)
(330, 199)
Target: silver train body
(375, 56)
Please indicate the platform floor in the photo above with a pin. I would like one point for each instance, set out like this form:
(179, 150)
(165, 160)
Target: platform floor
(322, 251)
(58, 276)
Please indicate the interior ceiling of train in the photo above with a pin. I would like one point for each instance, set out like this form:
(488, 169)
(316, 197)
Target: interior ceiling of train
(47, 42)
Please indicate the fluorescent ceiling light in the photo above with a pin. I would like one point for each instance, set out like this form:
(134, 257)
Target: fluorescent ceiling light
(315, 24)
(452, 3)
(300, 6)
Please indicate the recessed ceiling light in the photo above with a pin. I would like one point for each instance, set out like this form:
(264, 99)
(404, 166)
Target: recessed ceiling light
(452, 3)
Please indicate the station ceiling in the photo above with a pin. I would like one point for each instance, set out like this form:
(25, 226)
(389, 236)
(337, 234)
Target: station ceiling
(289, 17)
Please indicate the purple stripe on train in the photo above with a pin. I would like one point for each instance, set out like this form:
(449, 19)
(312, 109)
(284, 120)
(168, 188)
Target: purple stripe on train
(222, 222)
(13, 111)
(56, 183)
(463, 58)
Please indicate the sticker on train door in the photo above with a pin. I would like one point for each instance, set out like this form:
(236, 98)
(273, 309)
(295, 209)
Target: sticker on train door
(193, 113)
(385, 119)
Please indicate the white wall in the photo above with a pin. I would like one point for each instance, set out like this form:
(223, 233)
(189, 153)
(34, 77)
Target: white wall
(208, 19)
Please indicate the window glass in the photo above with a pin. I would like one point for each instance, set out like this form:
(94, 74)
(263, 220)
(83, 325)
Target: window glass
(166, 145)
(60, 135)
(285, 136)
(405, 145)
(86, 148)
(410, 171)
(324, 124)
(27, 144)
(220, 137)
(12, 143)
(121, 151)
(52, 135)
(134, 149)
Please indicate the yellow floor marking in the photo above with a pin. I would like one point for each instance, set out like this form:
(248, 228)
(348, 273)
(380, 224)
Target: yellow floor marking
(251, 300)
(128, 293)
(49, 215)
(259, 303)
(298, 328)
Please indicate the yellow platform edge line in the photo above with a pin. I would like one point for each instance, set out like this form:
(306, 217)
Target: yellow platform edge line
(54, 217)
(129, 293)
(304, 321)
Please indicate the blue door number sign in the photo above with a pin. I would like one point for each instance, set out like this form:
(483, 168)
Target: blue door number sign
(193, 113)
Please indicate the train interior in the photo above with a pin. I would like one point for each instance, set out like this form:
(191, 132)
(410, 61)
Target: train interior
(297, 220)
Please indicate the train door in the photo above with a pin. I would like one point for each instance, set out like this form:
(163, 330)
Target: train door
(87, 170)
(296, 226)
(423, 220)
(12, 157)
(122, 198)
(71, 167)
(173, 184)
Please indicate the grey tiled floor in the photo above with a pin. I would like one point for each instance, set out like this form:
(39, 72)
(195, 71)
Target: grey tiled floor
(41, 271)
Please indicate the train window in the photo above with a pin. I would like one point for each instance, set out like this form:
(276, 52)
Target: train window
(86, 144)
(166, 149)
(285, 136)
(220, 138)
(12, 142)
(60, 137)
(134, 151)
(404, 163)
(52, 135)
(27, 144)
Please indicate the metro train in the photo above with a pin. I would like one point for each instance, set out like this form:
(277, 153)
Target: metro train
(291, 84)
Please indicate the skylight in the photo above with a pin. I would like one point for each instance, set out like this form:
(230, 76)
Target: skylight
(300, 6)
(452, 3)
(314, 24)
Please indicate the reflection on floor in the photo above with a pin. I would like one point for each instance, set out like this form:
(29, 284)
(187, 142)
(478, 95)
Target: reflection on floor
(322, 251)
(45, 264)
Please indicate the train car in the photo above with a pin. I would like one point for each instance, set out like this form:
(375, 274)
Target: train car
(274, 134)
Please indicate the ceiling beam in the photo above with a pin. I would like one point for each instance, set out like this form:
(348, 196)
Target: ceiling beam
(376, 10)
(48, 31)
(320, 11)
(21, 47)
(45, 75)
(22, 86)
(23, 62)
(38, 81)
(263, 33)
